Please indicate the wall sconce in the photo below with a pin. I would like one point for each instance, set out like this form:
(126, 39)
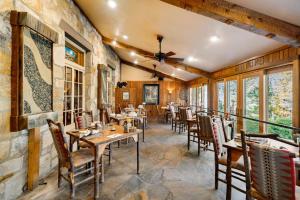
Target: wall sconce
(170, 91)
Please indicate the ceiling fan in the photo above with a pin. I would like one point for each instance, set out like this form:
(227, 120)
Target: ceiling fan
(162, 57)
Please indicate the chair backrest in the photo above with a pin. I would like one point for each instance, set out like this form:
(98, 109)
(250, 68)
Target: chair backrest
(189, 114)
(272, 171)
(182, 113)
(172, 109)
(205, 127)
(80, 122)
(60, 143)
(88, 115)
(158, 110)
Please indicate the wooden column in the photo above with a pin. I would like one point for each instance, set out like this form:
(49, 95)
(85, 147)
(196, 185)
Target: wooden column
(33, 157)
(296, 92)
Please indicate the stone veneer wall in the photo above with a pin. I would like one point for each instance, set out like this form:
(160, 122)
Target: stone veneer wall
(13, 146)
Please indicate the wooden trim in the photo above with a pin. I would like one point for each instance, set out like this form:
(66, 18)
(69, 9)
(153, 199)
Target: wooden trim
(149, 70)
(33, 158)
(243, 18)
(296, 94)
(273, 59)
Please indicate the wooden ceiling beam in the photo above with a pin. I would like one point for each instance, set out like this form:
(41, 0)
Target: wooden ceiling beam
(161, 74)
(147, 54)
(244, 18)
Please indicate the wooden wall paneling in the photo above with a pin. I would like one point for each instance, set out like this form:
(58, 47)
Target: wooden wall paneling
(136, 87)
(269, 60)
(33, 157)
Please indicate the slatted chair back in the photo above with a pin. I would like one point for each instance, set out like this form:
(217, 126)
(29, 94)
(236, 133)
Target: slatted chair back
(60, 143)
(204, 125)
(182, 114)
(88, 115)
(272, 174)
(172, 109)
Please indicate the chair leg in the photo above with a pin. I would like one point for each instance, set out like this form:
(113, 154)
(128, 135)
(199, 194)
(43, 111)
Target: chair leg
(110, 154)
(59, 175)
(198, 148)
(189, 136)
(72, 185)
(216, 175)
(172, 122)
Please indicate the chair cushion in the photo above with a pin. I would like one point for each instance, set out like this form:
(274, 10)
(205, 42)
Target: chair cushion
(239, 164)
(82, 156)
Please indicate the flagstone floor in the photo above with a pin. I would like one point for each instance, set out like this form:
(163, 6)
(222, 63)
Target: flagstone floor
(168, 171)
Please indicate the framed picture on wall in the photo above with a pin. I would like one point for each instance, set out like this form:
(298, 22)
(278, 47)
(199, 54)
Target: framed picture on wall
(151, 94)
(126, 96)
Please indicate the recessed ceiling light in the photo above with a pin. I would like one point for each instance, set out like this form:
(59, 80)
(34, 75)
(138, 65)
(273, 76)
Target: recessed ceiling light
(179, 69)
(125, 37)
(192, 59)
(214, 38)
(172, 74)
(136, 62)
(132, 53)
(112, 4)
(114, 43)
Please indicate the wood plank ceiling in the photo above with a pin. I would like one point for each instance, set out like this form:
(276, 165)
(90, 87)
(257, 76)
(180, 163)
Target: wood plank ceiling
(204, 37)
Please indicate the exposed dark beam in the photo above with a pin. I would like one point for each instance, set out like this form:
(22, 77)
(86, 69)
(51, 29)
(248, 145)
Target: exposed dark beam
(243, 18)
(144, 53)
(161, 74)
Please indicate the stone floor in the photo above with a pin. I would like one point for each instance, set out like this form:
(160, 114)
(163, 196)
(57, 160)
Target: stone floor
(168, 171)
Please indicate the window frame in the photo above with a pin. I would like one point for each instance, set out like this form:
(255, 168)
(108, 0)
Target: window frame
(75, 67)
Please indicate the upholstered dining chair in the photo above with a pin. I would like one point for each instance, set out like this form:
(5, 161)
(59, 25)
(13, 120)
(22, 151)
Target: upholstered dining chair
(211, 132)
(78, 163)
(271, 174)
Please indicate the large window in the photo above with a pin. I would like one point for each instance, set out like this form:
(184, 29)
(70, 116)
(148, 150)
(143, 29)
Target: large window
(251, 103)
(279, 99)
(73, 84)
(231, 96)
(220, 90)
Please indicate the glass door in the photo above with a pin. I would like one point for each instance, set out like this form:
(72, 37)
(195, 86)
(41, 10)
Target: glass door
(232, 100)
(221, 97)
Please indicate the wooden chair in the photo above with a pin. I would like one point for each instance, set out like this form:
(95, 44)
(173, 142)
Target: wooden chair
(175, 118)
(271, 174)
(77, 163)
(211, 131)
(160, 114)
(82, 121)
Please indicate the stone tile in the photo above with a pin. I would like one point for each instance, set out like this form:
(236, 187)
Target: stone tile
(19, 146)
(11, 166)
(4, 153)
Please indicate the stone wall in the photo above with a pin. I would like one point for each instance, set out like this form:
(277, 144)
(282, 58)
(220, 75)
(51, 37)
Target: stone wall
(13, 152)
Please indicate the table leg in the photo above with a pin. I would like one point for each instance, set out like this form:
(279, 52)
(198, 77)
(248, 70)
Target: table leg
(228, 175)
(144, 120)
(96, 172)
(137, 155)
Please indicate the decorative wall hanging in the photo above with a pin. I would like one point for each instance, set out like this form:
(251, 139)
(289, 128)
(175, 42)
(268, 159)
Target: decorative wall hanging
(151, 94)
(32, 63)
(125, 96)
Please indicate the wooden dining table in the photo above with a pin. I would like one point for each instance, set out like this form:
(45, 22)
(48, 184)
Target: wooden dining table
(99, 141)
(235, 151)
(142, 118)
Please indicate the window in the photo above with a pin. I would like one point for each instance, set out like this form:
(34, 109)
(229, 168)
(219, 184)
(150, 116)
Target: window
(279, 100)
(204, 96)
(220, 90)
(73, 84)
(251, 103)
(231, 96)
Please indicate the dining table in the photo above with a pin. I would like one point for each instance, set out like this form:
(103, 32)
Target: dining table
(235, 151)
(99, 141)
(140, 119)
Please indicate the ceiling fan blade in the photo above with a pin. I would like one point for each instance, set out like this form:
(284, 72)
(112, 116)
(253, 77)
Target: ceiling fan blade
(170, 53)
(175, 59)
